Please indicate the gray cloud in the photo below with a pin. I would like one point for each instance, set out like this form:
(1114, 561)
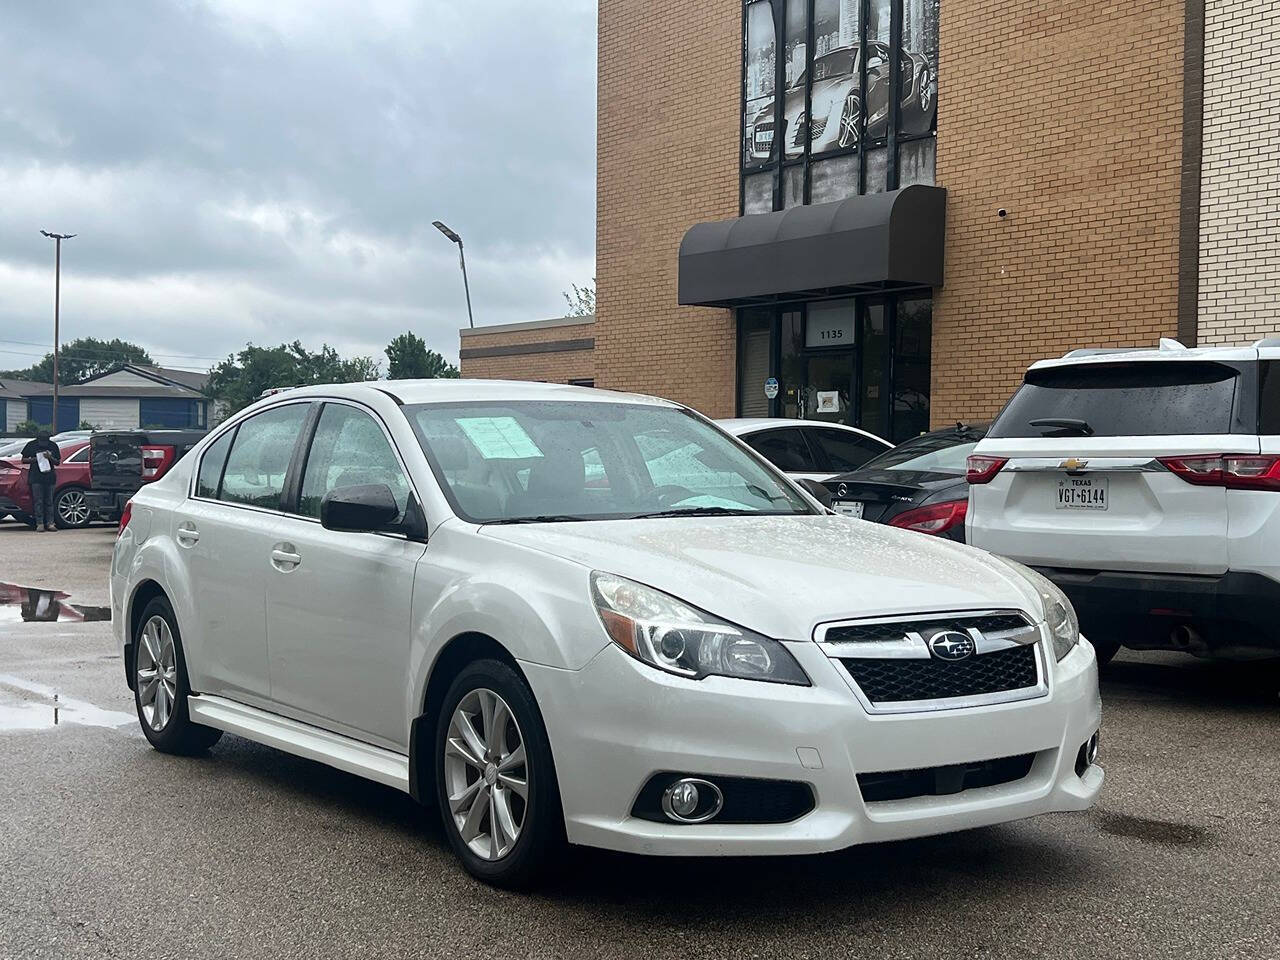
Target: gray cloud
(239, 170)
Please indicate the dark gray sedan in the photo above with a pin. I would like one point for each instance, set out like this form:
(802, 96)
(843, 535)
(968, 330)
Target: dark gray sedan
(918, 485)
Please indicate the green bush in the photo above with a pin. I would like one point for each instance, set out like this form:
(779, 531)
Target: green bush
(29, 428)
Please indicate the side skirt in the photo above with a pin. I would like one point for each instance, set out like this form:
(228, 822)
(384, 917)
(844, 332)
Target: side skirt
(301, 739)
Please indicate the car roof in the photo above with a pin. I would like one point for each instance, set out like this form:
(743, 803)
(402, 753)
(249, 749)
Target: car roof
(740, 425)
(1170, 350)
(465, 390)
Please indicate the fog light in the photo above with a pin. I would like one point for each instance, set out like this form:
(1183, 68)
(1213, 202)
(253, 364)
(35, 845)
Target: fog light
(1091, 754)
(690, 800)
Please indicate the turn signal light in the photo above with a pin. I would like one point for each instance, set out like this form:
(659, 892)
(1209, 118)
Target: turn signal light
(983, 469)
(936, 519)
(1237, 471)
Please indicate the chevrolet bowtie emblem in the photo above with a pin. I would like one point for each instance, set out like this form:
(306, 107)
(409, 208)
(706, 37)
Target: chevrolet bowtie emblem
(1073, 463)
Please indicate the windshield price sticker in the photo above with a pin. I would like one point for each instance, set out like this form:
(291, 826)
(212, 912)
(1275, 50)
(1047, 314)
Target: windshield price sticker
(499, 438)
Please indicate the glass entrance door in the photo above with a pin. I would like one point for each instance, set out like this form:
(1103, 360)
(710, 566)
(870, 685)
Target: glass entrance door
(828, 386)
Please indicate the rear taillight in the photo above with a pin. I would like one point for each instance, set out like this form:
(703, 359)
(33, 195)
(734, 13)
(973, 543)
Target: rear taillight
(125, 515)
(936, 519)
(155, 461)
(1237, 471)
(983, 469)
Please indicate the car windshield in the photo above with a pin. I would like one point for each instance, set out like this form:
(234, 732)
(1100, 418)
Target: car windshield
(526, 461)
(942, 452)
(837, 63)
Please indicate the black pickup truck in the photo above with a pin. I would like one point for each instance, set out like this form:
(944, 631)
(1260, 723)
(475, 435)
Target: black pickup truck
(120, 462)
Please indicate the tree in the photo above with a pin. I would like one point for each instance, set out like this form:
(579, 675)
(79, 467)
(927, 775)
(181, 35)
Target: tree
(81, 358)
(582, 302)
(409, 359)
(241, 378)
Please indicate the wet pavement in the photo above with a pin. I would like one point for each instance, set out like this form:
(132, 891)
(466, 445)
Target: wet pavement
(108, 848)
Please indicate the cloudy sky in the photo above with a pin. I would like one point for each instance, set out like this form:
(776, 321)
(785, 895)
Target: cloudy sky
(243, 170)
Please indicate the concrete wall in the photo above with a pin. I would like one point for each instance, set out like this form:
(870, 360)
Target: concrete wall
(114, 414)
(1240, 173)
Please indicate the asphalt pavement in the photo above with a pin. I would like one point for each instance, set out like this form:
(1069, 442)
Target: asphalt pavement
(109, 849)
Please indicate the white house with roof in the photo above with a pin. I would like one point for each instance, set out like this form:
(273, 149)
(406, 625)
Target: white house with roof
(127, 397)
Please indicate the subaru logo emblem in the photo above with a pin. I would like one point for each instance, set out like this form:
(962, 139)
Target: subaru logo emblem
(842, 489)
(951, 645)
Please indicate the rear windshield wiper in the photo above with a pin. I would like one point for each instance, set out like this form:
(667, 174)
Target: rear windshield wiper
(1067, 425)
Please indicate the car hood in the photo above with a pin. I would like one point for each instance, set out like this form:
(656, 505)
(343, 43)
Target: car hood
(782, 576)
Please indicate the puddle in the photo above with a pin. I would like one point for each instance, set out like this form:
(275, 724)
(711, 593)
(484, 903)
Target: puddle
(49, 709)
(1163, 832)
(36, 605)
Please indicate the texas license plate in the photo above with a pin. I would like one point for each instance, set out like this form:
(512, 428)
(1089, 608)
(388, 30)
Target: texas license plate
(1082, 493)
(849, 508)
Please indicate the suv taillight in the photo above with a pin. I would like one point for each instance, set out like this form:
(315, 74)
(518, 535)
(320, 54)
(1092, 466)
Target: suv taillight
(155, 461)
(1237, 471)
(983, 469)
(125, 516)
(936, 519)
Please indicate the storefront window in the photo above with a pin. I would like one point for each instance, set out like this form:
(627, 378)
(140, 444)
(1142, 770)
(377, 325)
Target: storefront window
(859, 361)
(847, 88)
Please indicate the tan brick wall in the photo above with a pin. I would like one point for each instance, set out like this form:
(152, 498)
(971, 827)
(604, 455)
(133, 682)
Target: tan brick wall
(551, 367)
(1068, 115)
(1240, 173)
(669, 93)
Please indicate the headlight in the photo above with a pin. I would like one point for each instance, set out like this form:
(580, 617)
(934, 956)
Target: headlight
(665, 633)
(1058, 612)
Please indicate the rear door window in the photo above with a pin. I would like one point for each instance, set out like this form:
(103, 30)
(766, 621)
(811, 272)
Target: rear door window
(1269, 398)
(260, 455)
(1142, 399)
(842, 450)
(785, 449)
(211, 464)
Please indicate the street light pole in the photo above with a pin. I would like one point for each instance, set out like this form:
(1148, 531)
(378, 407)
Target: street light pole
(462, 259)
(57, 239)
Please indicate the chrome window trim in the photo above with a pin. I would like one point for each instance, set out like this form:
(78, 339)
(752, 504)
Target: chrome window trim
(912, 646)
(1093, 464)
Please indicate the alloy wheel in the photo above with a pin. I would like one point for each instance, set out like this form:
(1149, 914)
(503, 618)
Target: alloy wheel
(486, 774)
(926, 92)
(73, 508)
(849, 122)
(157, 673)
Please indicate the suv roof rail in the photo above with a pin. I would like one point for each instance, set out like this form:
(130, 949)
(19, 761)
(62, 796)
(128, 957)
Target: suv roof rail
(1097, 351)
(1268, 342)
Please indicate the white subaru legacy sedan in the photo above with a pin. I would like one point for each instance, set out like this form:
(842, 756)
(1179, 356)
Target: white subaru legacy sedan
(564, 614)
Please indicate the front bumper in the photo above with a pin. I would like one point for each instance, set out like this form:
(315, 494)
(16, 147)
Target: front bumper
(644, 722)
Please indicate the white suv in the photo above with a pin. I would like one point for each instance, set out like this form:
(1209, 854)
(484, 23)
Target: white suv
(1145, 484)
(562, 613)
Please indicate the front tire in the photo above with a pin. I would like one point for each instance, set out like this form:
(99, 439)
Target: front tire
(495, 780)
(160, 685)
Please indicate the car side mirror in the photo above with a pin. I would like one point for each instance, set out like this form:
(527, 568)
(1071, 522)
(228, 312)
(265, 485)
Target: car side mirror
(365, 508)
(816, 489)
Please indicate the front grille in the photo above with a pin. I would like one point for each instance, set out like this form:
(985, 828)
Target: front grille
(895, 680)
(943, 781)
(988, 624)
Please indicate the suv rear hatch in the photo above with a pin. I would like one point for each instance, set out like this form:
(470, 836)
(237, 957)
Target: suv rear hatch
(1085, 464)
(115, 461)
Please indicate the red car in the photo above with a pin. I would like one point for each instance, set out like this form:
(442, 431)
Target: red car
(71, 481)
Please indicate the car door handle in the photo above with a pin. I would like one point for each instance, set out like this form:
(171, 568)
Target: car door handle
(284, 560)
(188, 536)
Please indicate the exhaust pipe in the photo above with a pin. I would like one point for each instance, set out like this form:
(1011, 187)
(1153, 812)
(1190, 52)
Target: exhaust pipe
(1185, 636)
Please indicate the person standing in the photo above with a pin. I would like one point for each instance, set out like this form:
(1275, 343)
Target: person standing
(43, 457)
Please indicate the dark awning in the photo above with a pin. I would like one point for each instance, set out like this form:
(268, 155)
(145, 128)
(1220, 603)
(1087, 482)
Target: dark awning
(877, 242)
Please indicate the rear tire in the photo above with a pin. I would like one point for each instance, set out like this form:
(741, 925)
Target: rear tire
(160, 685)
(490, 745)
(71, 509)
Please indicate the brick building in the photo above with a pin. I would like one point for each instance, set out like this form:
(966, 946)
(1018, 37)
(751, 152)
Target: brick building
(945, 191)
